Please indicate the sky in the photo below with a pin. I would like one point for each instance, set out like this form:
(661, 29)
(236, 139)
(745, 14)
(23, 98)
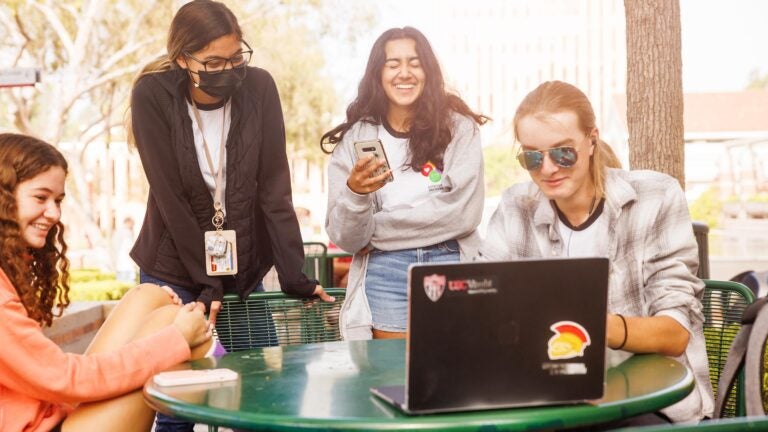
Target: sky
(723, 41)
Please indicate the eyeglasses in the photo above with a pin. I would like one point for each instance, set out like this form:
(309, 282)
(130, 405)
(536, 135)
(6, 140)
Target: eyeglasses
(215, 65)
(564, 157)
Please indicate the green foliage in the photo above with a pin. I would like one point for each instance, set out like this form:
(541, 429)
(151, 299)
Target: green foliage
(501, 169)
(89, 275)
(95, 285)
(707, 208)
(286, 37)
(758, 198)
(99, 290)
(88, 52)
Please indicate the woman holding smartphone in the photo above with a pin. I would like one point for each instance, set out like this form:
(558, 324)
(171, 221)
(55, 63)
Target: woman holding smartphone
(426, 202)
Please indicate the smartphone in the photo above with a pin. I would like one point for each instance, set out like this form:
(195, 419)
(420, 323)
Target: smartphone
(184, 377)
(374, 147)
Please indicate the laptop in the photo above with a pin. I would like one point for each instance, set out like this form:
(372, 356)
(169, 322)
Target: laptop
(485, 335)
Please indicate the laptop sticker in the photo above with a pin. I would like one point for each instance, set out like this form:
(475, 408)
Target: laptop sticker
(434, 286)
(570, 340)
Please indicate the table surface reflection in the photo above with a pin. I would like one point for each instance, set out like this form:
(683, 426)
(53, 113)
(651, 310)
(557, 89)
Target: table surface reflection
(321, 386)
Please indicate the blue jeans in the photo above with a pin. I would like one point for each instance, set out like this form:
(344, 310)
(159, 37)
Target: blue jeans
(164, 423)
(386, 281)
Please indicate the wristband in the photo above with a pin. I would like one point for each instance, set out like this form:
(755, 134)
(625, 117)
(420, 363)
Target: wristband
(624, 342)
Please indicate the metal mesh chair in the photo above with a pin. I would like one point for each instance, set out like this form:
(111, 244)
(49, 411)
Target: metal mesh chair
(316, 262)
(275, 318)
(724, 303)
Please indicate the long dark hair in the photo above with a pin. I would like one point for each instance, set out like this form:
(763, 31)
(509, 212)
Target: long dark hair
(39, 275)
(430, 128)
(195, 25)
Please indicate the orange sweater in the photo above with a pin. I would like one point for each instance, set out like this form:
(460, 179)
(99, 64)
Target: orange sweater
(40, 384)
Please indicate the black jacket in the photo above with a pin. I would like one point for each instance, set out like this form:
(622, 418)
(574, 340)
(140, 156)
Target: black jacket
(180, 206)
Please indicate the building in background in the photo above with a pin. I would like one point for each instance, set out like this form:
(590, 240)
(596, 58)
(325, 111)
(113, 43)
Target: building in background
(494, 53)
(112, 188)
(726, 145)
(726, 158)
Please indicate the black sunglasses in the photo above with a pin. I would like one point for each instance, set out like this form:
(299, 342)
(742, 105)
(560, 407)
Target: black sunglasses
(564, 157)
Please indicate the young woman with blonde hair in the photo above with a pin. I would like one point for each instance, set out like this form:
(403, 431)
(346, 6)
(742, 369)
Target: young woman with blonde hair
(579, 203)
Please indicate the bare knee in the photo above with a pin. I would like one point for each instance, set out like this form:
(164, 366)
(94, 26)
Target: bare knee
(148, 293)
(158, 319)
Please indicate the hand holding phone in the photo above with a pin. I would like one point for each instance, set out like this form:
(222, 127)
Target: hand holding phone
(372, 170)
(188, 376)
(375, 148)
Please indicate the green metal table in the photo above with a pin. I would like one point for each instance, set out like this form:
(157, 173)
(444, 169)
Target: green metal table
(325, 386)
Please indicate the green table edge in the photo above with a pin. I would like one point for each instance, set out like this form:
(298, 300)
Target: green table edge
(504, 419)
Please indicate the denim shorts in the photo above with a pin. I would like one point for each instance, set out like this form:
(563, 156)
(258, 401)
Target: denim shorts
(386, 281)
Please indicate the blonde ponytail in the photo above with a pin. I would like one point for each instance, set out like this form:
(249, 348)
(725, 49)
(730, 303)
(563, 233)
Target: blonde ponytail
(603, 157)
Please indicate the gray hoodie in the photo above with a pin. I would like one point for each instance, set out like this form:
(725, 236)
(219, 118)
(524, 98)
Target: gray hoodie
(355, 221)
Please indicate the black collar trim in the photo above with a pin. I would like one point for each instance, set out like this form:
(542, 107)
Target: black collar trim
(392, 131)
(587, 223)
(207, 107)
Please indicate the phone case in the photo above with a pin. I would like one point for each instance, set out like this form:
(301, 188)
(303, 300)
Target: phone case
(364, 148)
(184, 377)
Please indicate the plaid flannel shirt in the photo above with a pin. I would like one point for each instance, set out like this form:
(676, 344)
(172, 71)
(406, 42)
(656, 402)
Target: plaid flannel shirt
(652, 251)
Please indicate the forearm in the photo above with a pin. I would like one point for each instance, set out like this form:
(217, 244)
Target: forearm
(349, 221)
(658, 334)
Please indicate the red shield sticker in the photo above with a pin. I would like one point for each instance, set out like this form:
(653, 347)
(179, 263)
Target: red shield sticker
(434, 286)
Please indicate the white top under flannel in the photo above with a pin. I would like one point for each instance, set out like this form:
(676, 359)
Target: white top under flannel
(653, 258)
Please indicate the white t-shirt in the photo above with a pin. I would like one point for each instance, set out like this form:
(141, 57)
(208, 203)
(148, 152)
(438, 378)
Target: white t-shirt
(212, 122)
(410, 188)
(587, 240)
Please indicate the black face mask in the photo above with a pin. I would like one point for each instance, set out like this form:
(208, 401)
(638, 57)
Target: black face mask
(221, 84)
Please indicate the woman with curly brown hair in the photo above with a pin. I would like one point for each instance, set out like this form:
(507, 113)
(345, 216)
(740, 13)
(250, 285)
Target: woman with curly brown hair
(41, 387)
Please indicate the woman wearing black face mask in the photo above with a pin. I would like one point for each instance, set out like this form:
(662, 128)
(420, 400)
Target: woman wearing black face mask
(210, 133)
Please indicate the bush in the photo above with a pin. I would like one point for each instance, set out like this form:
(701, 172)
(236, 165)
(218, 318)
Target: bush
(89, 275)
(95, 285)
(707, 208)
(99, 290)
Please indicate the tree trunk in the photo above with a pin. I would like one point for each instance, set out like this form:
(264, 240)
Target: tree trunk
(655, 87)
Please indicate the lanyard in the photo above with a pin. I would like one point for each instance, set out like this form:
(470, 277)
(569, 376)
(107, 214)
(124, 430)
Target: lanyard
(218, 213)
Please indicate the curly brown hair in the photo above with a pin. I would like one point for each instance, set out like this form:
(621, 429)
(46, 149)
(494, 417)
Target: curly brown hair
(40, 276)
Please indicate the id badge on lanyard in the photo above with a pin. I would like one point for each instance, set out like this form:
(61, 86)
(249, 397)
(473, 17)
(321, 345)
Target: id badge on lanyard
(220, 252)
(220, 244)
